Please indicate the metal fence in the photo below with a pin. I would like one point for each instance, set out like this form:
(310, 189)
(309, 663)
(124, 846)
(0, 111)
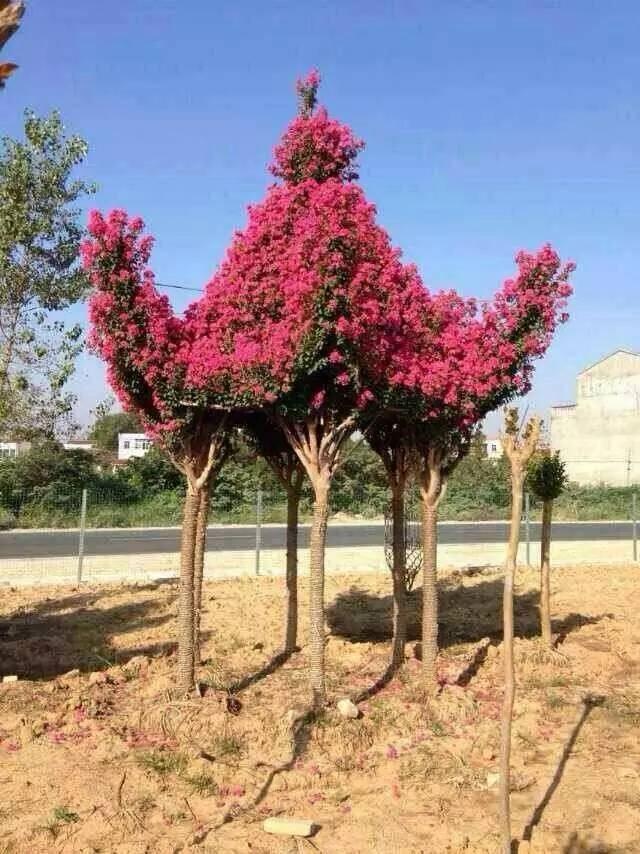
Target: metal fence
(88, 536)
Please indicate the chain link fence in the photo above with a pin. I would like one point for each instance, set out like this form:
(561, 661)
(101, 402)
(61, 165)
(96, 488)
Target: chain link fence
(66, 535)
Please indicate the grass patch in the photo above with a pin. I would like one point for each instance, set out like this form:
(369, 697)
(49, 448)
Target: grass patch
(202, 784)
(227, 747)
(64, 815)
(162, 762)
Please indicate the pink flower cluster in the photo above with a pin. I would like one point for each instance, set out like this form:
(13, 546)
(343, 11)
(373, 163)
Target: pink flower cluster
(313, 303)
(464, 359)
(311, 266)
(316, 146)
(133, 328)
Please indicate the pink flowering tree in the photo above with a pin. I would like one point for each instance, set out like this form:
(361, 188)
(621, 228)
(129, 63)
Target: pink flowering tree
(310, 301)
(459, 363)
(145, 348)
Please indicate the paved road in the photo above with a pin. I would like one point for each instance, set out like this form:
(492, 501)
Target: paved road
(25, 544)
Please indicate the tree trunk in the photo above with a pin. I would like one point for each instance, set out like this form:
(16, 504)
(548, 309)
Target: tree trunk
(198, 566)
(545, 567)
(291, 623)
(398, 573)
(509, 670)
(316, 590)
(186, 658)
(429, 592)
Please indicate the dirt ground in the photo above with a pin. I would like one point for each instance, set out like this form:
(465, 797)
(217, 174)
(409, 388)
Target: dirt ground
(109, 762)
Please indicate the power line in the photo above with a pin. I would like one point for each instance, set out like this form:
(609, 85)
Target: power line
(178, 287)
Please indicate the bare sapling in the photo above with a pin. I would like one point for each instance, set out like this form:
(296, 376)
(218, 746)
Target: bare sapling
(547, 479)
(519, 446)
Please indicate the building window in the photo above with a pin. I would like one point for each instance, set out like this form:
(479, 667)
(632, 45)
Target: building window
(126, 444)
(494, 447)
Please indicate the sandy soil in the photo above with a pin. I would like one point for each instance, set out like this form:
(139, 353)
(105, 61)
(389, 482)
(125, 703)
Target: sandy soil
(111, 763)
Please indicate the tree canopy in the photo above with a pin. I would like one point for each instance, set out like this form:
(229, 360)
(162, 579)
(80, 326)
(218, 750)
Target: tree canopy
(105, 429)
(40, 274)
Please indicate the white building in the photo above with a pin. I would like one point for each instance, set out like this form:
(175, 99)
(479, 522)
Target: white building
(132, 445)
(13, 449)
(598, 436)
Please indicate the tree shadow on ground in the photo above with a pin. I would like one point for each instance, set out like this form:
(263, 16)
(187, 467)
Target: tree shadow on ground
(466, 614)
(301, 729)
(589, 703)
(58, 635)
(275, 662)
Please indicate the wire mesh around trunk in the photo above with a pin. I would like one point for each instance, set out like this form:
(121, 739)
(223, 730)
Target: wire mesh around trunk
(412, 541)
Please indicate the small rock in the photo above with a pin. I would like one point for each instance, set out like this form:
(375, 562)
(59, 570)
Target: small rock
(289, 826)
(136, 664)
(293, 715)
(98, 677)
(493, 778)
(7, 679)
(258, 647)
(348, 709)
(488, 754)
(234, 706)
(71, 674)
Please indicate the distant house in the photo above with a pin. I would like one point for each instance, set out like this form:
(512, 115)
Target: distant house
(132, 445)
(78, 445)
(598, 436)
(13, 449)
(493, 447)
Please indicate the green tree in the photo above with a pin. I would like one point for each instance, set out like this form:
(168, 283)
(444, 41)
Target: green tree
(106, 428)
(47, 474)
(151, 474)
(547, 478)
(40, 275)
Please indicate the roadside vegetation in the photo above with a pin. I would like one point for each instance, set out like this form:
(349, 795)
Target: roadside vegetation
(43, 488)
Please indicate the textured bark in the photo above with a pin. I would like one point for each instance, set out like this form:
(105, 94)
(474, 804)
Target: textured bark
(429, 592)
(398, 573)
(186, 667)
(431, 491)
(291, 619)
(317, 443)
(545, 572)
(316, 591)
(198, 566)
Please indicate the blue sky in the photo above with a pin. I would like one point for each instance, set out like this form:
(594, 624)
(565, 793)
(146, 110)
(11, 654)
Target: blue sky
(490, 126)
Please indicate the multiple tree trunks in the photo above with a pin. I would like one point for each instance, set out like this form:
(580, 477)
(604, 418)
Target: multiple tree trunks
(317, 443)
(200, 460)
